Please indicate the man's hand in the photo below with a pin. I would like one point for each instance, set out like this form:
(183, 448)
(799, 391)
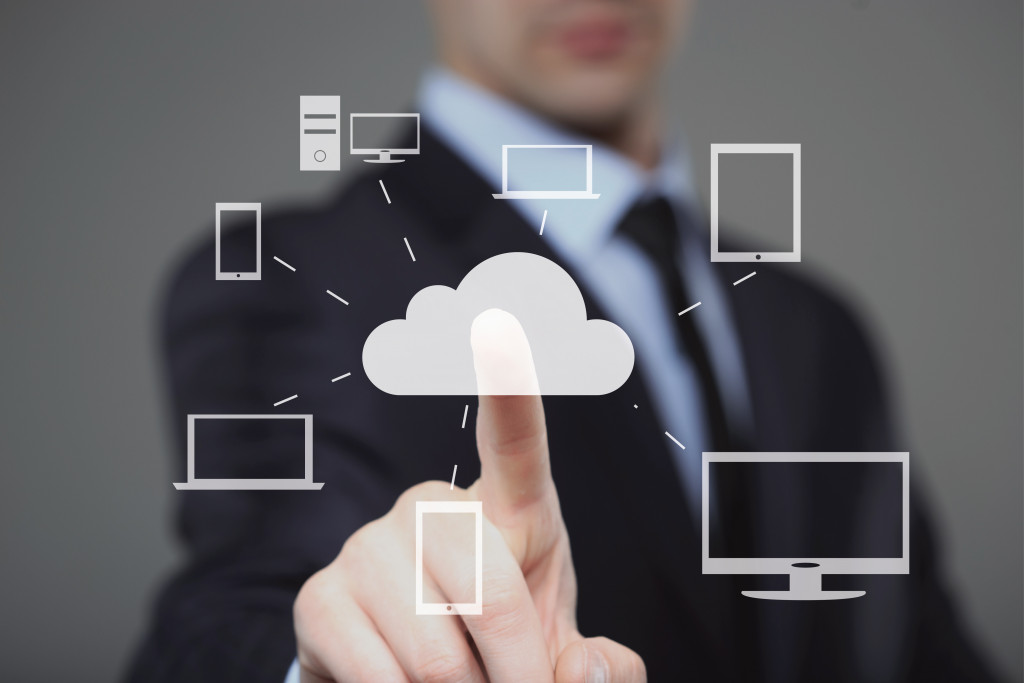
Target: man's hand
(355, 620)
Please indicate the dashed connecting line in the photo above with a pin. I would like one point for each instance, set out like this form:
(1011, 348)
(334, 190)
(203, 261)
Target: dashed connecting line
(687, 310)
(337, 297)
(745, 277)
(381, 181)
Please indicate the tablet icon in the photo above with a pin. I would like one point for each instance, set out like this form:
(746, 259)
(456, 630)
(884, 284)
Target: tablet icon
(788, 254)
(239, 257)
(319, 133)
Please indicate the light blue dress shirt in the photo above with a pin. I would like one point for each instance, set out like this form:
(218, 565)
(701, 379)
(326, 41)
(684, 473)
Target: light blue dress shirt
(475, 124)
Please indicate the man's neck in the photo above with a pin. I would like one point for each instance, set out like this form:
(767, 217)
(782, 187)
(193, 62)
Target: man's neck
(636, 133)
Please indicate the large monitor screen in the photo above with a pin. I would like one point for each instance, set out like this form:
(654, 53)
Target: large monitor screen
(806, 509)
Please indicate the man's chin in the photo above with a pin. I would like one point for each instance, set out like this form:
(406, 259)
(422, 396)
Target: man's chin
(588, 103)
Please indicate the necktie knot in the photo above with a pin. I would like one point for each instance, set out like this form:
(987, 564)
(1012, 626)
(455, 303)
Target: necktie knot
(651, 224)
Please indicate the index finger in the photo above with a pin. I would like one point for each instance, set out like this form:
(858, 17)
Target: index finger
(515, 470)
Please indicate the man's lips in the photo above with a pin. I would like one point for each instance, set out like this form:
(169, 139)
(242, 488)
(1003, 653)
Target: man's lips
(595, 39)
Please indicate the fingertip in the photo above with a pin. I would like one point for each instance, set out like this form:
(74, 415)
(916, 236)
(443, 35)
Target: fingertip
(510, 432)
(501, 355)
(599, 660)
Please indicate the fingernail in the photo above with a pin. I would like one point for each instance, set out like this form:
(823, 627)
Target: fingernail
(597, 668)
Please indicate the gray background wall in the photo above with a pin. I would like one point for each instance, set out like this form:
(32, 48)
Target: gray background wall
(124, 122)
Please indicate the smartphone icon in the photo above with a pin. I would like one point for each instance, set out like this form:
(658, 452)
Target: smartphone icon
(238, 256)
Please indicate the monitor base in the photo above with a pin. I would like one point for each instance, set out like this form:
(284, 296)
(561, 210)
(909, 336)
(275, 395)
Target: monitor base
(384, 158)
(804, 584)
(798, 595)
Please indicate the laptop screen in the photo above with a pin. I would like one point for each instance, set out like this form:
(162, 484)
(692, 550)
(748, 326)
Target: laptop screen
(227, 447)
(546, 169)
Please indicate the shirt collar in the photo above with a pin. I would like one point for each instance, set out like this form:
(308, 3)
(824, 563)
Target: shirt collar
(476, 123)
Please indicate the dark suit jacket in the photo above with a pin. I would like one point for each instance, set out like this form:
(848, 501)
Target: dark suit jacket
(237, 347)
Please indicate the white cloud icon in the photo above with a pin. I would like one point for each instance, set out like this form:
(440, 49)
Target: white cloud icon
(429, 353)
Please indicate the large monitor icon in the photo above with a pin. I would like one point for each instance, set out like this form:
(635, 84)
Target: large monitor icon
(848, 513)
(219, 438)
(367, 131)
(792, 152)
(547, 172)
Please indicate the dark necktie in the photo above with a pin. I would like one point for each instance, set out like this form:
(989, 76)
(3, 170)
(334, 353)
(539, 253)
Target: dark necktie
(656, 229)
(652, 226)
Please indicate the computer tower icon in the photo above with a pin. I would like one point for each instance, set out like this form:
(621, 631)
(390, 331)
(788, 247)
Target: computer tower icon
(319, 134)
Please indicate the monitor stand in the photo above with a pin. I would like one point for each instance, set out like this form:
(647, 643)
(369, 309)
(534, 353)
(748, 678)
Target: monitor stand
(804, 584)
(384, 158)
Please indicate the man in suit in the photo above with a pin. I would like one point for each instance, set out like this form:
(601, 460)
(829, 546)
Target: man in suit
(591, 535)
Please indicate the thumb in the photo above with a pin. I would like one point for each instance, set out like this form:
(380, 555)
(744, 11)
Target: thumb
(511, 436)
(599, 660)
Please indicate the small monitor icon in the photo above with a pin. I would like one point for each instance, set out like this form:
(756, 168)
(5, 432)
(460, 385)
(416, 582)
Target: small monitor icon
(281, 433)
(366, 131)
(547, 172)
(818, 513)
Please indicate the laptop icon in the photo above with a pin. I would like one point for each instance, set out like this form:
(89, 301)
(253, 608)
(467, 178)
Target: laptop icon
(547, 172)
(256, 428)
